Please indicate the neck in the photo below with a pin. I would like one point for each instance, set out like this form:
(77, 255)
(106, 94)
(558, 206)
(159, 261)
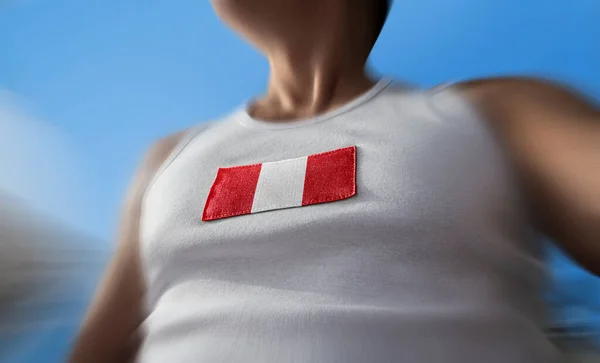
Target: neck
(311, 80)
(315, 85)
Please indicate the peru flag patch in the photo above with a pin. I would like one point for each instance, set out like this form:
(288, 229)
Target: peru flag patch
(314, 179)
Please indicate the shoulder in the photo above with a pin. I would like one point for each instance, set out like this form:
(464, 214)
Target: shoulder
(161, 153)
(155, 156)
(160, 150)
(515, 96)
(509, 86)
(517, 104)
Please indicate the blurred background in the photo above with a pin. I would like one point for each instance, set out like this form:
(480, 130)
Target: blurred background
(85, 86)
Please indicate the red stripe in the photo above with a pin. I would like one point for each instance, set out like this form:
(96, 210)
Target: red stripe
(232, 193)
(330, 176)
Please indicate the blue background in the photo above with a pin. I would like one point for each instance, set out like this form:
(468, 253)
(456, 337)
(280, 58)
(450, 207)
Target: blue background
(116, 75)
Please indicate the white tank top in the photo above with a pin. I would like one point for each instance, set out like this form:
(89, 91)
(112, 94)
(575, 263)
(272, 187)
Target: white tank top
(389, 230)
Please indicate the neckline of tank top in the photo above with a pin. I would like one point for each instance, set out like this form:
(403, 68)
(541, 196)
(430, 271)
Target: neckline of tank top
(246, 120)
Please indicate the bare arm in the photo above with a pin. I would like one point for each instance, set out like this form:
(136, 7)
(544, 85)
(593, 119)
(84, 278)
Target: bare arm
(553, 136)
(108, 333)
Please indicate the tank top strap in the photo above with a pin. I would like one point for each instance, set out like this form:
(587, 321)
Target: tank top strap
(187, 137)
(447, 101)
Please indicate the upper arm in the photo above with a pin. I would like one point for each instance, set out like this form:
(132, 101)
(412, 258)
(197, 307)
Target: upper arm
(552, 134)
(109, 329)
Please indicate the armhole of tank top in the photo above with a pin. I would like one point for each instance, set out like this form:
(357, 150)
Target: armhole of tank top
(181, 145)
(186, 139)
(448, 93)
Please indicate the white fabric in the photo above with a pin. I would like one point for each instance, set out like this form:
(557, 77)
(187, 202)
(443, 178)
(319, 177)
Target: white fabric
(280, 185)
(430, 262)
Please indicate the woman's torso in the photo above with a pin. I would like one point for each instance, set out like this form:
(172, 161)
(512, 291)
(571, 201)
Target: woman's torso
(431, 261)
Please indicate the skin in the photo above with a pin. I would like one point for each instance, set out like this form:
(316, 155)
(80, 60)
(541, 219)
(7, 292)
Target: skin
(317, 54)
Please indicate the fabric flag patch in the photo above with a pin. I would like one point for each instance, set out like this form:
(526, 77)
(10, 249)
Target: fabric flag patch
(314, 179)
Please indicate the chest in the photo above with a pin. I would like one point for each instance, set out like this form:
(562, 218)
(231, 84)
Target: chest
(418, 178)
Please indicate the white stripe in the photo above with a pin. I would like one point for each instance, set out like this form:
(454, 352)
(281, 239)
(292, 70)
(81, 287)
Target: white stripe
(280, 185)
